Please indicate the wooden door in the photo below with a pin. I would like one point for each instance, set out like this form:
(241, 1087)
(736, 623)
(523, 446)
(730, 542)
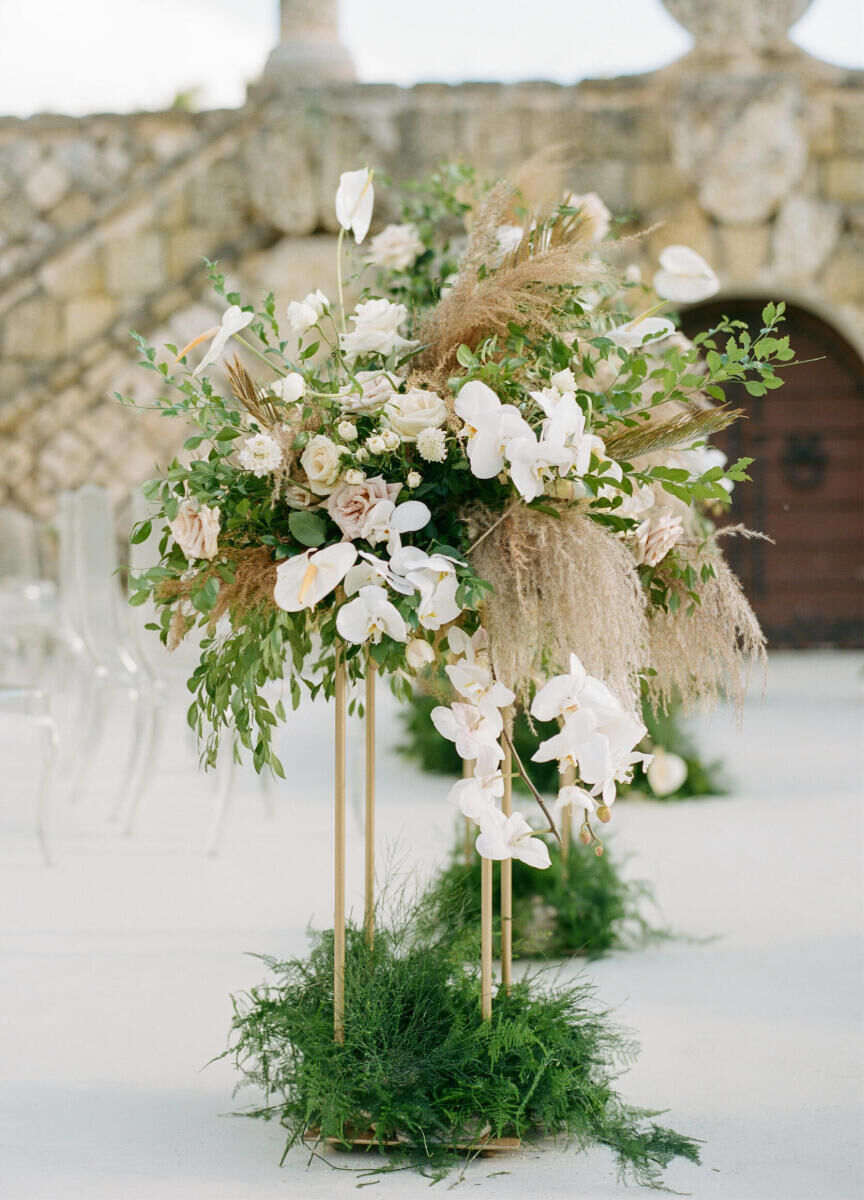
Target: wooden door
(808, 484)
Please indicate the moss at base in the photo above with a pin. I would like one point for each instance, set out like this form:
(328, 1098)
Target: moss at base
(419, 1065)
(583, 908)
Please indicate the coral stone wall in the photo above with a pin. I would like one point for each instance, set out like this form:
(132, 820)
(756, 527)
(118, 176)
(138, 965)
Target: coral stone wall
(104, 221)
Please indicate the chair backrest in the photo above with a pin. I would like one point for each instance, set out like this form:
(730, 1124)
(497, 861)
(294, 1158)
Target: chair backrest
(19, 547)
(96, 603)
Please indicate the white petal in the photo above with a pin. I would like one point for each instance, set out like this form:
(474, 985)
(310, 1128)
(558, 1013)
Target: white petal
(684, 289)
(475, 402)
(353, 621)
(410, 516)
(682, 260)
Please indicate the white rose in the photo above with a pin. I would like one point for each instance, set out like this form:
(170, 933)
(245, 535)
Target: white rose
(289, 389)
(415, 411)
(347, 430)
(390, 439)
(320, 461)
(378, 387)
(376, 444)
(301, 316)
(353, 476)
(656, 536)
(376, 329)
(318, 301)
(414, 479)
(419, 654)
(297, 497)
(396, 247)
(667, 773)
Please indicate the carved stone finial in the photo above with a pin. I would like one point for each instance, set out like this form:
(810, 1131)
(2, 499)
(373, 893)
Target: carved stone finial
(734, 28)
(309, 51)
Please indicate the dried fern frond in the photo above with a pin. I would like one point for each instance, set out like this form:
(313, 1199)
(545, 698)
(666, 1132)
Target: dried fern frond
(561, 585)
(249, 394)
(252, 587)
(539, 181)
(670, 434)
(708, 654)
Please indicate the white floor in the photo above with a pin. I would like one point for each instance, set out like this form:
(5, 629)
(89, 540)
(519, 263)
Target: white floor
(118, 963)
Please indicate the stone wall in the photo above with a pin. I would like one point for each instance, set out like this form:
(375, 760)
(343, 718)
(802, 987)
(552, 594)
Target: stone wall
(105, 220)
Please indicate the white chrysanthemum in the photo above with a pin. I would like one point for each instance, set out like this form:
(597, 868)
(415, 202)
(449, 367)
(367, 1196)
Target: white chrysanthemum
(432, 445)
(260, 455)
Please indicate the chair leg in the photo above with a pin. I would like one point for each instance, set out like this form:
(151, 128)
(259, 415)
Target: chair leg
(224, 796)
(143, 763)
(92, 727)
(45, 788)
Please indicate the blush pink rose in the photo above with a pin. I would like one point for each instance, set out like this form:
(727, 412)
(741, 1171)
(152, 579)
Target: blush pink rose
(349, 504)
(196, 530)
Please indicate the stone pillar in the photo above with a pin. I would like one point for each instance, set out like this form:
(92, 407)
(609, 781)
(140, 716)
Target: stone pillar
(739, 29)
(309, 51)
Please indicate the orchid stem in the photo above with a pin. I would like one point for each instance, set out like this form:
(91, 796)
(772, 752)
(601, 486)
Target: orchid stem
(521, 769)
(263, 357)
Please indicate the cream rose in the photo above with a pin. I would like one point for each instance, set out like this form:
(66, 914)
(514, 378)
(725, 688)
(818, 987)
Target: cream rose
(196, 529)
(378, 387)
(376, 329)
(416, 410)
(320, 461)
(396, 247)
(656, 536)
(349, 505)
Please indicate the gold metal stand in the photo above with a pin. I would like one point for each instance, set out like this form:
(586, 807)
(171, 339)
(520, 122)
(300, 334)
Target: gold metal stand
(339, 854)
(566, 825)
(369, 904)
(507, 872)
(486, 938)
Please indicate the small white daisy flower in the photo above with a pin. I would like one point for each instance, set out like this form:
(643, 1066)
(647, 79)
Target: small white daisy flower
(260, 455)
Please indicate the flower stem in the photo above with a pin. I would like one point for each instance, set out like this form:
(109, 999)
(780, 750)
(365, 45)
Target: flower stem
(339, 277)
(263, 357)
(521, 769)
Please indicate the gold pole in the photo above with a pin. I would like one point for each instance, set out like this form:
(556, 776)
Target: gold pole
(467, 835)
(370, 802)
(566, 825)
(339, 854)
(486, 938)
(507, 872)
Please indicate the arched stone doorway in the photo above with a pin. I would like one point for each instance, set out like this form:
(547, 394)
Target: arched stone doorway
(808, 483)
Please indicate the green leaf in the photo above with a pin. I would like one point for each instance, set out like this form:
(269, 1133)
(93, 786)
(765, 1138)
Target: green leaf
(141, 533)
(307, 528)
(465, 357)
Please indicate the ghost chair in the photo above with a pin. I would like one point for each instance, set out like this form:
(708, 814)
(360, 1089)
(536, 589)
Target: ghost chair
(28, 601)
(96, 611)
(32, 704)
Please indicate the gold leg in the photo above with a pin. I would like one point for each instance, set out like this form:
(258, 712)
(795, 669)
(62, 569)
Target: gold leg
(339, 856)
(566, 825)
(507, 874)
(468, 831)
(369, 913)
(486, 938)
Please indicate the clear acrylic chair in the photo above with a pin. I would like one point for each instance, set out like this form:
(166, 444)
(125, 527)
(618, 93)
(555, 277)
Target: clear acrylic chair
(28, 600)
(94, 611)
(32, 704)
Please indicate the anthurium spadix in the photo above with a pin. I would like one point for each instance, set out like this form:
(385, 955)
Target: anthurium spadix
(510, 837)
(369, 616)
(302, 581)
(355, 199)
(489, 426)
(684, 276)
(233, 320)
(633, 334)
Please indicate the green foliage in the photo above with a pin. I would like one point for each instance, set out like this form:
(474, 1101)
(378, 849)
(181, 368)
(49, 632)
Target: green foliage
(419, 1065)
(584, 907)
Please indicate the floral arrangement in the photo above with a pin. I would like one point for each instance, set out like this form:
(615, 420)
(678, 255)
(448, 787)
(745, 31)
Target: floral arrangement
(493, 459)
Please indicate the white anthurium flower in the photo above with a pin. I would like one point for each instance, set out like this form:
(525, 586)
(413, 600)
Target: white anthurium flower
(355, 199)
(632, 334)
(667, 773)
(474, 797)
(387, 521)
(510, 837)
(369, 617)
(684, 276)
(570, 796)
(489, 426)
(233, 320)
(473, 648)
(476, 683)
(302, 581)
(531, 464)
(475, 734)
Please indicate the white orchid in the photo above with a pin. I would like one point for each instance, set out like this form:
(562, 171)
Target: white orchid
(684, 276)
(438, 605)
(532, 463)
(475, 734)
(570, 796)
(387, 521)
(355, 199)
(307, 578)
(472, 649)
(489, 426)
(632, 334)
(474, 797)
(372, 570)
(510, 837)
(233, 320)
(419, 654)
(477, 684)
(369, 617)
